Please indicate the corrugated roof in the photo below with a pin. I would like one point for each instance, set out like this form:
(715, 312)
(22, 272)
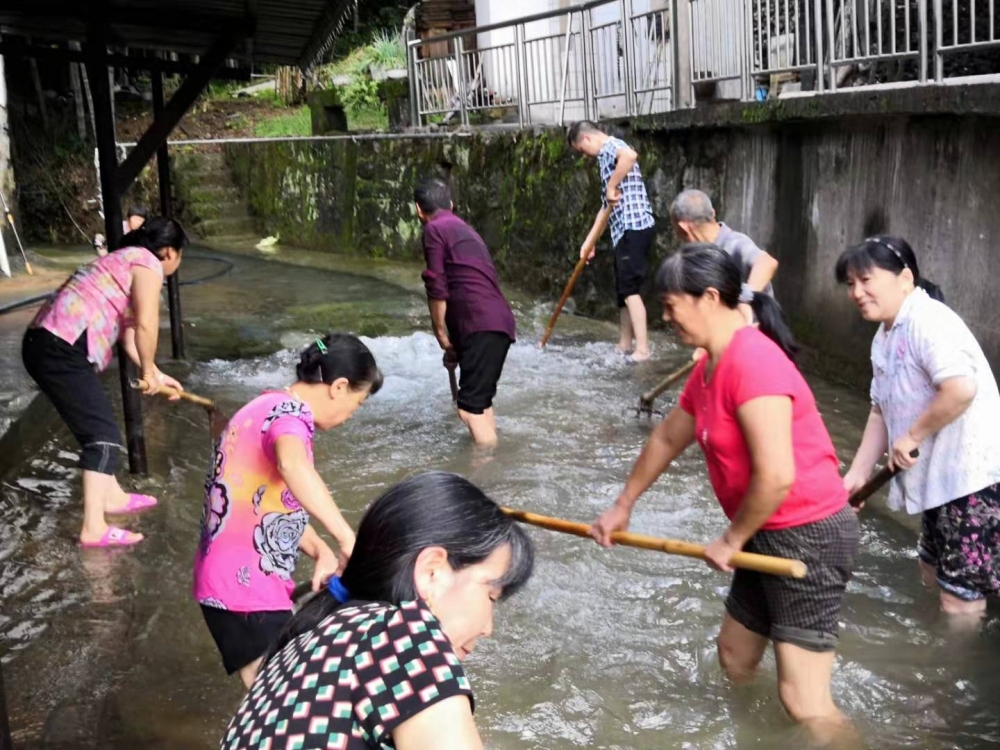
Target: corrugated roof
(287, 32)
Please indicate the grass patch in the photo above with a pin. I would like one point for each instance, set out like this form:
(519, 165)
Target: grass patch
(368, 118)
(293, 122)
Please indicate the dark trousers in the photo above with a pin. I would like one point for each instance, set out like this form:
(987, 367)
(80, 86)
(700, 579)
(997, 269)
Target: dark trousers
(64, 374)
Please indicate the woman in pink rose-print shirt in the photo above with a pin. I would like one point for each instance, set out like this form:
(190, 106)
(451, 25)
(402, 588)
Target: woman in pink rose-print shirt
(260, 492)
(113, 298)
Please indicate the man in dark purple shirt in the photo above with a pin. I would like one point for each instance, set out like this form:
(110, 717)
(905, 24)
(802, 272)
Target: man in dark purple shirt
(472, 321)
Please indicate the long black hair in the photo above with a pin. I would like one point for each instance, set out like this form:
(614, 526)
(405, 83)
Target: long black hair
(156, 235)
(339, 355)
(432, 509)
(698, 266)
(888, 253)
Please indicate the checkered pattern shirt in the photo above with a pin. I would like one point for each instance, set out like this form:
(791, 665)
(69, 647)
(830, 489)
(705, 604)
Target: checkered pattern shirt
(634, 210)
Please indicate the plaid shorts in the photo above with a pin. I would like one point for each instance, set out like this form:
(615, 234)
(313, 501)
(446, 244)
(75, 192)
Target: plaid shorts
(961, 541)
(804, 612)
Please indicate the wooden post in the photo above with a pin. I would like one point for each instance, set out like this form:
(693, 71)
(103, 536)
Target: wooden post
(167, 209)
(106, 149)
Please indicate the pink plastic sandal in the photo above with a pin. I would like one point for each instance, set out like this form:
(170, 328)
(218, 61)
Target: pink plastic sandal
(135, 504)
(113, 537)
(139, 502)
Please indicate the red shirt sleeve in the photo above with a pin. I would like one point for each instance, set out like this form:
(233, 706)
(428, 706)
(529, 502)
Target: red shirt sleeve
(761, 369)
(435, 279)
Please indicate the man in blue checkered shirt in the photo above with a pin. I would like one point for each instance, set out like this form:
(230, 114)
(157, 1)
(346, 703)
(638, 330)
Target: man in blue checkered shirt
(632, 228)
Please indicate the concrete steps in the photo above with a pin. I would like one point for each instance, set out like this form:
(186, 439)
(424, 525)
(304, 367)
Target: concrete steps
(229, 226)
(213, 205)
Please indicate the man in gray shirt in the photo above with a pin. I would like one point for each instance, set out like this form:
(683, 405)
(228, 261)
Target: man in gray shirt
(694, 220)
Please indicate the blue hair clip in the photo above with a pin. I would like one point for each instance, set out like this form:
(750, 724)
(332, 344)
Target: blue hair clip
(337, 590)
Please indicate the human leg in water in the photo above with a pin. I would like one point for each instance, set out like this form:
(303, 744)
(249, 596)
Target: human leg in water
(637, 317)
(482, 427)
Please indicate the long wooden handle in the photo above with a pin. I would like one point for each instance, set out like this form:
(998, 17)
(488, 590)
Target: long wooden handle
(581, 264)
(649, 396)
(874, 484)
(776, 566)
(166, 390)
(453, 382)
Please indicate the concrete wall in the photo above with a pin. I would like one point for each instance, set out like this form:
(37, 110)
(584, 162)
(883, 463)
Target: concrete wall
(804, 179)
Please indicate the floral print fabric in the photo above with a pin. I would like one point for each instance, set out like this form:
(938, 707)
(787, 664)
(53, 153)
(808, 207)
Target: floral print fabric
(251, 523)
(349, 682)
(961, 540)
(97, 299)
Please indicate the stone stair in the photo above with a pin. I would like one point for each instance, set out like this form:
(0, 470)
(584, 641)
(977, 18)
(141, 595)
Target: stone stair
(213, 207)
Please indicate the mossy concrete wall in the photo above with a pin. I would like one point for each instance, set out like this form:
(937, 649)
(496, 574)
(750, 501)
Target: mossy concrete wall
(804, 186)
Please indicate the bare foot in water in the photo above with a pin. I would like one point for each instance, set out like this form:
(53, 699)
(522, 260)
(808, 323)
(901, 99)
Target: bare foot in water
(639, 356)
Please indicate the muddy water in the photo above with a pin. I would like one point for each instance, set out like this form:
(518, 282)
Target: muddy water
(607, 649)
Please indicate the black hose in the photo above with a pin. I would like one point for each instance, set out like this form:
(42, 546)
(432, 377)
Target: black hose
(212, 276)
(24, 303)
(13, 306)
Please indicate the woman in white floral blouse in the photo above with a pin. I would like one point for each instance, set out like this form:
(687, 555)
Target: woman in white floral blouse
(932, 392)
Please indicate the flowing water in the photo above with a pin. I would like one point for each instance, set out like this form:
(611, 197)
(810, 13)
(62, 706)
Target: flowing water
(604, 649)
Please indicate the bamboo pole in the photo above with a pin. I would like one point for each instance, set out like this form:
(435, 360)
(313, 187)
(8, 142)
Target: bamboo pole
(778, 566)
(168, 391)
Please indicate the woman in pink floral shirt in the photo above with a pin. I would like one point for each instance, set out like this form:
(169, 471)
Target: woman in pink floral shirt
(111, 299)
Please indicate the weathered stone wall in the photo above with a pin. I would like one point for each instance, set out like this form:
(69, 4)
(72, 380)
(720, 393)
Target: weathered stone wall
(803, 186)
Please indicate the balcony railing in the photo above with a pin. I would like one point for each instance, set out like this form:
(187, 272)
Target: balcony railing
(637, 57)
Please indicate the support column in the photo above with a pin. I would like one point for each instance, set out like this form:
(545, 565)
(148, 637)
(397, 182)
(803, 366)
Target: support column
(108, 159)
(167, 209)
(5, 741)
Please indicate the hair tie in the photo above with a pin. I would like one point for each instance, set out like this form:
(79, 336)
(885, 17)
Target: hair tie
(321, 346)
(337, 590)
(746, 294)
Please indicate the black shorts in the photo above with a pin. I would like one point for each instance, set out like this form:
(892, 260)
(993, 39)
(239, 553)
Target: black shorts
(631, 255)
(804, 612)
(481, 357)
(243, 637)
(65, 375)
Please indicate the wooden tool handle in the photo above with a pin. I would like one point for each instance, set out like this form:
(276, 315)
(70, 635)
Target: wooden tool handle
(874, 484)
(777, 566)
(581, 264)
(453, 382)
(650, 396)
(166, 390)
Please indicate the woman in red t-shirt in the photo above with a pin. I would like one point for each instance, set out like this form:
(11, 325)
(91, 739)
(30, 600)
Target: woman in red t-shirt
(774, 469)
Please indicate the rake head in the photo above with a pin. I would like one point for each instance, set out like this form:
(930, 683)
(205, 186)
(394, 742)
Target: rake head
(644, 409)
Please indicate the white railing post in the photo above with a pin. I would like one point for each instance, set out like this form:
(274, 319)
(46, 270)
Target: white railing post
(411, 63)
(565, 71)
(627, 54)
(519, 65)
(588, 68)
(460, 82)
(832, 39)
(818, 36)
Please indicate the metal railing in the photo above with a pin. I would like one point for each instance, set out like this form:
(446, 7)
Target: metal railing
(633, 57)
(976, 26)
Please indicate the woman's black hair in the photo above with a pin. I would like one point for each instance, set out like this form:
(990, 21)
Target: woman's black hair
(888, 253)
(432, 509)
(339, 355)
(698, 266)
(137, 211)
(155, 235)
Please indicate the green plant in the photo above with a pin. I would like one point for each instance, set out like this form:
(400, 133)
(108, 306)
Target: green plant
(362, 93)
(387, 50)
